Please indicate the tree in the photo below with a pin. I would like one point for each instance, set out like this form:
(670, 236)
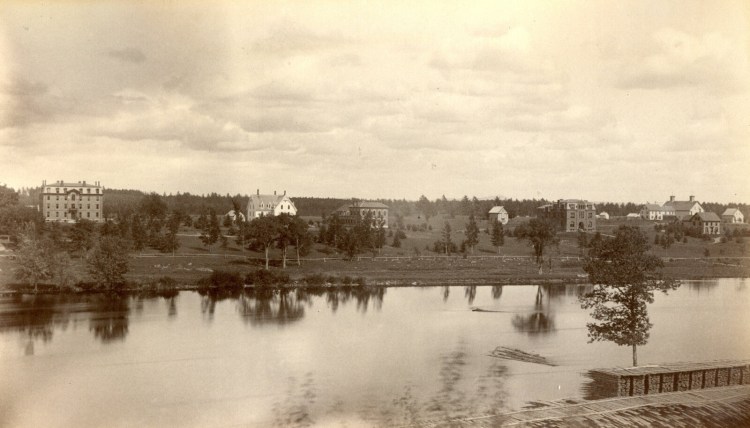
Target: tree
(33, 257)
(107, 262)
(137, 233)
(396, 241)
(211, 233)
(425, 207)
(625, 277)
(8, 196)
(263, 231)
(472, 233)
(497, 236)
(82, 236)
(540, 234)
(284, 236)
(446, 235)
(298, 230)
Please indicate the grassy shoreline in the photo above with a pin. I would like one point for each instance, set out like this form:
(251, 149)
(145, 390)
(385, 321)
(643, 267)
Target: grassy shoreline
(160, 273)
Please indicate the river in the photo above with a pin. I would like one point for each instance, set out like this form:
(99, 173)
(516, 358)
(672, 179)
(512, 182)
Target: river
(347, 357)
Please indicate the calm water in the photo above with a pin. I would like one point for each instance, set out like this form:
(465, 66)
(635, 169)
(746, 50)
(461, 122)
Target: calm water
(339, 358)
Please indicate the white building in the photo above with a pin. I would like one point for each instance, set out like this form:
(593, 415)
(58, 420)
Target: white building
(265, 205)
(732, 215)
(684, 209)
(498, 213)
(656, 211)
(603, 215)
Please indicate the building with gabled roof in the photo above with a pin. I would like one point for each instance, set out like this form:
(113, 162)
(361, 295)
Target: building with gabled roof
(68, 202)
(732, 215)
(684, 209)
(656, 211)
(269, 205)
(499, 214)
(708, 222)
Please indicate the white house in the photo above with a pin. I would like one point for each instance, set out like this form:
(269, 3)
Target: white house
(633, 216)
(603, 215)
(231, 214)
(684, 209)
(732, 215)
(265, 205)
(498, 213)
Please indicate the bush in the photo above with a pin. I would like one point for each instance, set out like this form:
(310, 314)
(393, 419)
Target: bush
(360, 281)
(222, 279)
(346, 280)
(315, 279)
(332, 279)
(262, 277)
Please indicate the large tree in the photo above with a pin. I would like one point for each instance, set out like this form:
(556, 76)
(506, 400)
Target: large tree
(211, 231)
(540, 234)
(33, 258)
(446, 235)
(263, 231)
(497, 235)
(472, 233)
(625, 277)
(108, 261)
(425, 207)
(301, 238)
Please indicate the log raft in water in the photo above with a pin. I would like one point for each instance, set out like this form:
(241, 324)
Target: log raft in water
(518, 355)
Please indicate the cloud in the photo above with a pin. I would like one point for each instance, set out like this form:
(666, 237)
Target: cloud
(131, 55)
(287, 37)
(682, 60)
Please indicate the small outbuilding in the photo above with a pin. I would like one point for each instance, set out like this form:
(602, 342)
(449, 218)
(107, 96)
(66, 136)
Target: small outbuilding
(500, 214)
(732, 215)
(603, 215)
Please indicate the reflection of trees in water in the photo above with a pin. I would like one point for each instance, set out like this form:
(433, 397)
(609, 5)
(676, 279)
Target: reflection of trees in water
(35, 317)
(540, 321)
(497, 291)
(109, 318)
(282, 306)
(446, 292)
(295, 409)
(470, 293)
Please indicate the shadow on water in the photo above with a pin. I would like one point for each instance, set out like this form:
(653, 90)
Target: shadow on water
(283, 306)
(37, 317)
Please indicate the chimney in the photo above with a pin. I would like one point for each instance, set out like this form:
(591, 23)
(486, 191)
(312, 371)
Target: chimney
(671, 198)
(274, 193)
(257, 192)
(692, 198)
(284, 192)
(84, 182)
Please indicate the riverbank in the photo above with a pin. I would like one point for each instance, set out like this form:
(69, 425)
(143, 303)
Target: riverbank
(185, 273)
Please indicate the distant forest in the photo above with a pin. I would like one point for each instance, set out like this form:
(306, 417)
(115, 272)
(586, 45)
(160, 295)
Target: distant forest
(121, 202)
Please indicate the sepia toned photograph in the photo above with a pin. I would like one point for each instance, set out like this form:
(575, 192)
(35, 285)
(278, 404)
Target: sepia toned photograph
(371, 214)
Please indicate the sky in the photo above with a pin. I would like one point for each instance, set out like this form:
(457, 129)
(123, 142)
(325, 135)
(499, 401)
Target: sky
(600, 100)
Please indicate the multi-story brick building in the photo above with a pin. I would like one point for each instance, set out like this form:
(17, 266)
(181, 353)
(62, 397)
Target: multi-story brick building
(570, 215)
(69, 202)
(350, 214)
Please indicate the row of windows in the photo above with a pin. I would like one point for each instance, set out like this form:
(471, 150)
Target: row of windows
(573, 225)
(80, 206)
(65, 215)
(65, 190)
(72, 198)
(581, 215)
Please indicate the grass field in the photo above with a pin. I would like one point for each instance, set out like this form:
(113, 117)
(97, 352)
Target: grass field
(413, 263)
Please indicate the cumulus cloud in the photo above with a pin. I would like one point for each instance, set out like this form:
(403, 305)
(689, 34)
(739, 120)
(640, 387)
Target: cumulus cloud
(684, 60)
(131, 55)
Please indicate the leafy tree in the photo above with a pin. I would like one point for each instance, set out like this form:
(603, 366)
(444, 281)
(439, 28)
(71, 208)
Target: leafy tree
(8, 196)
(33, 257)
(625, 277)
(472, 233)
(446, 238)
(497, 236)
(82, 236)
(284, 236)
(263, 231)
(170, 243)
(63, 272)
(334, 230)
(211, 233)
(396, 241)
(425, 207)
(540, 234)
(137, 233)
(301, 238)
(107, 262)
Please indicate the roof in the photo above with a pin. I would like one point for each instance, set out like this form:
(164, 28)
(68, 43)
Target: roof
(61, 184)
(681, 205)
(369, 204)
(708, 216)
(272, 200)
(731, 211)
(653, 207)
(497, 210)
(633, 215)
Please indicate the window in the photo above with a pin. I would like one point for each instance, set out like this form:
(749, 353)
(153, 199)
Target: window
(572, 225)
(57, 198)
(591, 215)
(79, 206)
(88, 215)
(97, 206)
(97, 191)
(47, 206)
(88, 206)
(590, 224)
(57, 214)
(48, 197)
(97, 215)
(73, 197)
(572, 215)
(88, 190)
(57, 190)
(97, 199)
(57, 206)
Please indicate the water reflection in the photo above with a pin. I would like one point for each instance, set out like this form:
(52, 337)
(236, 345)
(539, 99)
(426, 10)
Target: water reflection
(109, 322)
(295, 409)
(541, 321)
(37, 317)
(470, 293)
(283, 306)
(497, 291)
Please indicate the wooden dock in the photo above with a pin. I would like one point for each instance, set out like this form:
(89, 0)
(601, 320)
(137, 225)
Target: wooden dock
(717, 407)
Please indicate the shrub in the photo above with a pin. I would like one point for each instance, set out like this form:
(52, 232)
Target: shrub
(315, 279)
(262, 277)
(332, 279)
(346, 280)
(360, 281)
(222, 279)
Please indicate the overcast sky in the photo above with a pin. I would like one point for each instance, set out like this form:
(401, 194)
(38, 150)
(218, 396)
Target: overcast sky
(603, 100)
